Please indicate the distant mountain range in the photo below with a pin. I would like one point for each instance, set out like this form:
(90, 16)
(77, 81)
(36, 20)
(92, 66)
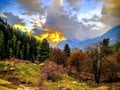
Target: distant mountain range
(113, 34)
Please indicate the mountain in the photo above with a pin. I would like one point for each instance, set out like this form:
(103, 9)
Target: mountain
(113, 34)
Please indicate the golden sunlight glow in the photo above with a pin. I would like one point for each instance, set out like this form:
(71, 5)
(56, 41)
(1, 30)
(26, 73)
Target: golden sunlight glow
(53, 37)
(30, 33)
(21, 27)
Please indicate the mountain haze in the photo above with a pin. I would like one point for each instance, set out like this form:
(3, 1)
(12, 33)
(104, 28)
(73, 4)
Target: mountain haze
(113, 34)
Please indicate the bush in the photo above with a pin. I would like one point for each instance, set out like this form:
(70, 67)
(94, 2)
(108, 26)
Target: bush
(58, 56)
(111, 69)
(79, 65)
(52, 71)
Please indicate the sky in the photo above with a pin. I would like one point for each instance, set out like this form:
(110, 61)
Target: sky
(73, 19)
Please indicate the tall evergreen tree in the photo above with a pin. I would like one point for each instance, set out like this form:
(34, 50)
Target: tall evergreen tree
(21, 54)
(15, 43)
(10, 53)
(18, 49)
(2, 46)
(28, 51)
(38, 52)
(67, 50)
(14, 40)
(43, 51)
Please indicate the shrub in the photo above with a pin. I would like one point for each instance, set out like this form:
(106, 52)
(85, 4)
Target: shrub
(58, 56)
(51, 71)
(111, 69)
(79, 65)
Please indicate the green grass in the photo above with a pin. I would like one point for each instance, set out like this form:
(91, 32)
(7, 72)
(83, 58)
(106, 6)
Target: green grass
(68, 82)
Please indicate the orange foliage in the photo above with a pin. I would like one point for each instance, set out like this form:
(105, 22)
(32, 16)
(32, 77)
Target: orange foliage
(78, 59)
(79, 65)
(117, 57)
(52, 71)
(110, 69)
(58, 56)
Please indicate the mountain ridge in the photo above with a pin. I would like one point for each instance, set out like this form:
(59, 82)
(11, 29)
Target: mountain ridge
(113, 34)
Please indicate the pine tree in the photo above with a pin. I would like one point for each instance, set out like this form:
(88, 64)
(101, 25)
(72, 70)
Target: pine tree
(18, 49)
(10, 53)
(38, 52)
(43, 51)
(67, 50)
(104, 47)
(14, 40)
(15, 43)
(21, 54)
(28, 51)
(2, 46)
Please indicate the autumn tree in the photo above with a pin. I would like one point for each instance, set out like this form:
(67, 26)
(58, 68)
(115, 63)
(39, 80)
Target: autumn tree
(58, 56)
(117, 57)
(77, 62)
(98, 53)
(67, 50)
(110, 69)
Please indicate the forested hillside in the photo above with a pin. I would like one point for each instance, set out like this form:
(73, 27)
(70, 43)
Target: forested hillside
(14, 43)
(23, 57)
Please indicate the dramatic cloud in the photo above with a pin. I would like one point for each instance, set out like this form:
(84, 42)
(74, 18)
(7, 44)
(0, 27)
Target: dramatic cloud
(12, 19)
(57, 19)
(81, 19)
(111, 12)
(92, 27)
(31, 6)
(70, 27)
(74, 3)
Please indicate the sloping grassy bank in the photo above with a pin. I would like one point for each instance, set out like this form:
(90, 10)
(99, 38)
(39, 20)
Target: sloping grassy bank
(24, 75)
